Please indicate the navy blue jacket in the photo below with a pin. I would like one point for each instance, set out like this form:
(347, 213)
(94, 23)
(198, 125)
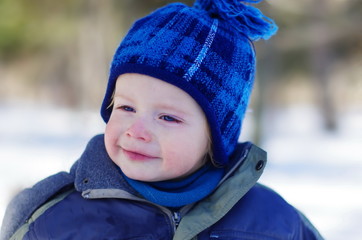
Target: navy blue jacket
(93, 201)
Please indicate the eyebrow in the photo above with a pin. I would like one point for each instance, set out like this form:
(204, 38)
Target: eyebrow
(118, 95)
(172, 108)
(163, 106)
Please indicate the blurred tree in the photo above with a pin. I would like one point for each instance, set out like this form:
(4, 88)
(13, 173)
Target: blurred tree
(27, 27)
(132, 10)
(60, 51)
(321, 61)
(313, 37)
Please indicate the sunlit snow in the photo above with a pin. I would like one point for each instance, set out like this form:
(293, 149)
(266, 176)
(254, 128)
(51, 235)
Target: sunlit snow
(318, 172)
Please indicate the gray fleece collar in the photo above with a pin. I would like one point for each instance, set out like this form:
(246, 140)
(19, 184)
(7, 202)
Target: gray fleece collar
(95, 170)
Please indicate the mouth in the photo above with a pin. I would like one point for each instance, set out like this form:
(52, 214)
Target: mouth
(137, 156)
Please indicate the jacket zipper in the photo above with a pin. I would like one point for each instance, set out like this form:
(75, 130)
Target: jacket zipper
(176, 217)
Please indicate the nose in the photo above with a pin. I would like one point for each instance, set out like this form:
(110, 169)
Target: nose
(139, 130)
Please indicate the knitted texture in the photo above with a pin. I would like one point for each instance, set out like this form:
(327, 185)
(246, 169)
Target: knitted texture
(180, 193)
(201, 52)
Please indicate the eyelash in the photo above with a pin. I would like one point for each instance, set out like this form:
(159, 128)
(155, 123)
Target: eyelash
(166, 118)
(126, 108)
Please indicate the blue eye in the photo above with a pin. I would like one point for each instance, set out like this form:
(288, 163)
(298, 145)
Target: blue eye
(127, 108)
(170, 119)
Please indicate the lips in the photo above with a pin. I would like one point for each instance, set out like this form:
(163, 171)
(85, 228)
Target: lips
(137, 156)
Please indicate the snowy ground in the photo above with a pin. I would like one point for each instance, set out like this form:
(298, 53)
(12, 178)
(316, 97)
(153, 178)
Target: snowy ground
(320, 173)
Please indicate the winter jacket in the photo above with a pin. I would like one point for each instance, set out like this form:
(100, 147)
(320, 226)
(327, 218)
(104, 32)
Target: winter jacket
(93, 201)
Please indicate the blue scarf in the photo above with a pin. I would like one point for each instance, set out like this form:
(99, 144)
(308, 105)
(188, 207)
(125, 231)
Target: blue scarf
(182, 192)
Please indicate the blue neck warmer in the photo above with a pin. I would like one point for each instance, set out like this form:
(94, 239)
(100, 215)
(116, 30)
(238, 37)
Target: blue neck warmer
(180, 193)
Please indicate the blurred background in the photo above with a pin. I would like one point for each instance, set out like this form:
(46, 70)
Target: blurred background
(306, 109)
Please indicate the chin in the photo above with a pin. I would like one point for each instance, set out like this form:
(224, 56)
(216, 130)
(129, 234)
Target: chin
(138, 176)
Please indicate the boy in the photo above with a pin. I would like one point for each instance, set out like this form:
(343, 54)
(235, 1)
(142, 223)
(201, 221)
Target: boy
(169, 165)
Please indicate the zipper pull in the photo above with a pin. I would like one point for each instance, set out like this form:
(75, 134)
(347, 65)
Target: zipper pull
(176, 218)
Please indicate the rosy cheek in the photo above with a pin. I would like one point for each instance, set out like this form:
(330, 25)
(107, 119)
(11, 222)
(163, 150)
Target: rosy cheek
(177, 160)
(108, 133)
(111, 138)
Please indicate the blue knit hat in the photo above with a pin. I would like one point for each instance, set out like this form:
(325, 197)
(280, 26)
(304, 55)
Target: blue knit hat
(207, 51)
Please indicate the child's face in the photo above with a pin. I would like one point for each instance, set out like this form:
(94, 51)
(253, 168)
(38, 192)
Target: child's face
(156, 131)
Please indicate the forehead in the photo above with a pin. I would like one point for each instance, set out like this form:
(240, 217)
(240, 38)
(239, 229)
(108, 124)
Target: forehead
(149, 87)
(152, 90)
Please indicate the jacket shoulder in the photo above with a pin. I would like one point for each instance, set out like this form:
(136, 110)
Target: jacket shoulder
(265, 214)
(27, 201)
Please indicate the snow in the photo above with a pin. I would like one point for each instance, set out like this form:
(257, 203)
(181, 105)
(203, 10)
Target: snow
(318, 172)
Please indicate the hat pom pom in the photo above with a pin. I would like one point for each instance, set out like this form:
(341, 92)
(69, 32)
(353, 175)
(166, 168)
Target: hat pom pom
(245, 18)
